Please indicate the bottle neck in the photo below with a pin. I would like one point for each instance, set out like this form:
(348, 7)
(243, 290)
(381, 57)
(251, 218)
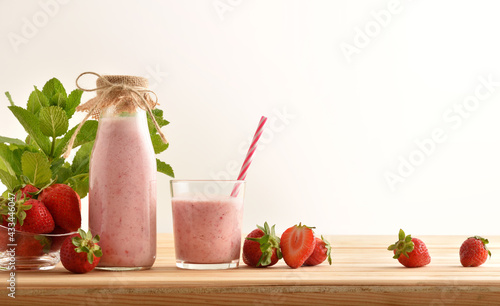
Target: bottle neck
(114, 112)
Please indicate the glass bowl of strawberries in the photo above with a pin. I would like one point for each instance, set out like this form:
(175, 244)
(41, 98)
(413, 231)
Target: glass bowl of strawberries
(28, 251)
(34, 224)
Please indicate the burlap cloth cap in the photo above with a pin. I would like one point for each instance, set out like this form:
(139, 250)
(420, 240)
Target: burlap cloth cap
(121, 99)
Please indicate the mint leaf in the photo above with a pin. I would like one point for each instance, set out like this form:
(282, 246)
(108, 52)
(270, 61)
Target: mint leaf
(52, 87)
(63, 173)
(82, 159)
(158, 144)
(10, 181)
(80, 184)
(31, 125)
(15, 141)
(36, 168)
(59, 100)
(62, 142)
(158, 114)
(10, 98)
(164, 168)
(8, 161)
(55, 165)
(53, 121)
(36, 101)
(17, 153)
(74, 99)
(87, 134)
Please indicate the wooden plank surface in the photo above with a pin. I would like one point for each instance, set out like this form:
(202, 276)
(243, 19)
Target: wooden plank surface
(363, 271)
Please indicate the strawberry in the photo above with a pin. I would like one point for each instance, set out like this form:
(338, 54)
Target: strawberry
(32, 245)
(297, 244)
(26, 192)
(321, 252)
(5, 211)
(57, 241)
(64, 205)
(261, 247)
(80, 252)
(33, 217)
(474, 252)
(4, 239)
(410, 252)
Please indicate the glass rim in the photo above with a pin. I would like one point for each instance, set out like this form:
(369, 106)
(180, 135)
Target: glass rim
(199, 181)
(33, 234)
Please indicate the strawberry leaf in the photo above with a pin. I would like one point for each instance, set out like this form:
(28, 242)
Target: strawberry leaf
(86, 244)
(90, 257)
(266, 227)
(328, 250)
(82, 233)
(76, 241)
(408, 249)
(268, 242)
(45, 242)
(401, 235)
(98, 253)
(21, 216)
(403, 246)
(96, 239)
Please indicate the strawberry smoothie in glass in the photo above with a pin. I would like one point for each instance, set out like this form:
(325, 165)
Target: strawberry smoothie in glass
(207, 223)
(122, 195)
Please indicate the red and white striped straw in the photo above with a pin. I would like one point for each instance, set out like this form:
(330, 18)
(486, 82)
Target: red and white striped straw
(248, 158)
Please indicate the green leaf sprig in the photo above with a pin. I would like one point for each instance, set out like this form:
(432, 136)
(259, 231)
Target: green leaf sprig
(38, 159)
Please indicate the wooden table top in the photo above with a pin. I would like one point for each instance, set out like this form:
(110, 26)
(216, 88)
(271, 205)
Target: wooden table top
(362, 271)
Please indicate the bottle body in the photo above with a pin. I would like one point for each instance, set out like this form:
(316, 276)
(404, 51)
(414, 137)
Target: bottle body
(122, 191)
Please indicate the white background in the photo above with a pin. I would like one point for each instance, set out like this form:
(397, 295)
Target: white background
(349, 119)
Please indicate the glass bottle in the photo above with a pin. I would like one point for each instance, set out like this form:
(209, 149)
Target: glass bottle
(122, 185)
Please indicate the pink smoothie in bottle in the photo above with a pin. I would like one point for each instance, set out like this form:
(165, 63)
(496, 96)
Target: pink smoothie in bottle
(122, 195)
(207, 230)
